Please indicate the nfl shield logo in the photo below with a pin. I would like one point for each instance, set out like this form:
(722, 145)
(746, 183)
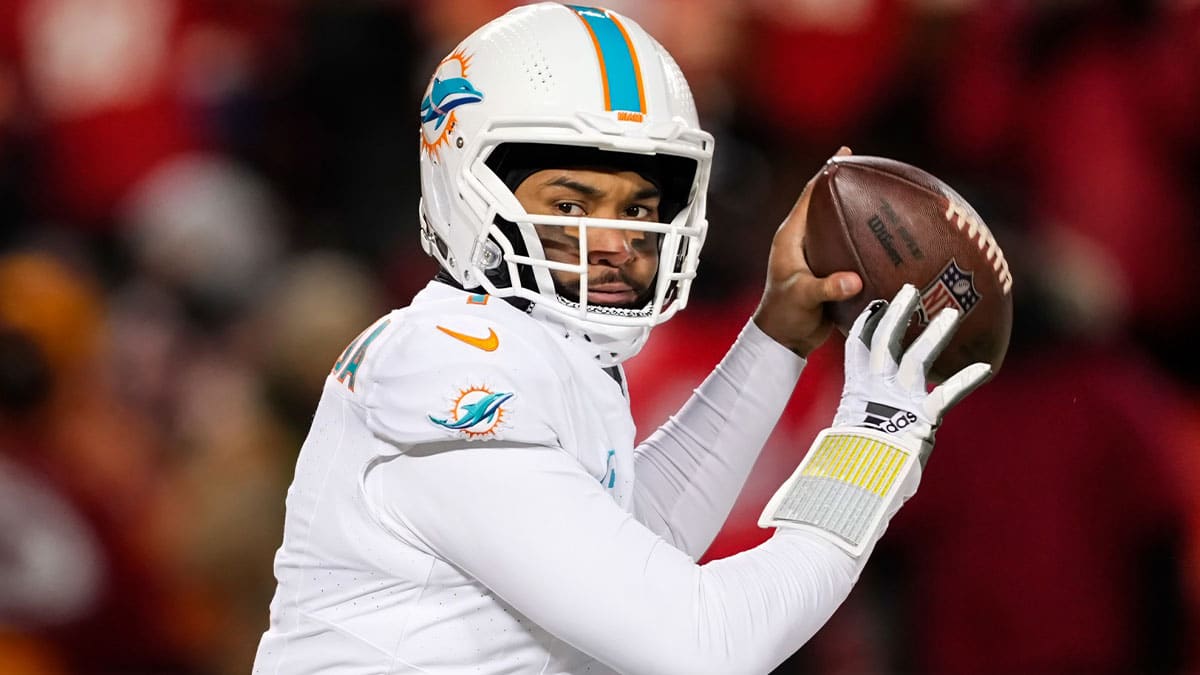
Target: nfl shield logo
(953, 287)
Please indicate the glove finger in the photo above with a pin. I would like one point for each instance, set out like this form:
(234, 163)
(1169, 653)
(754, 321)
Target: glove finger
(885, 343)
(914, 365)
(857, 340)
(947, 394)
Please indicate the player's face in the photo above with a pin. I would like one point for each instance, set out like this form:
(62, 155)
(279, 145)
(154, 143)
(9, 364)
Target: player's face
(621, 263)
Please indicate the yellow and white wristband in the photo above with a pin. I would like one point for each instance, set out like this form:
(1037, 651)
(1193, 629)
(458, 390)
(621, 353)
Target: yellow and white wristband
(849, 484)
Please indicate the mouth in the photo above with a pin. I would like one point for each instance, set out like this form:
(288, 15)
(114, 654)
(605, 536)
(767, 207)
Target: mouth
(609, 289)
(612, 295)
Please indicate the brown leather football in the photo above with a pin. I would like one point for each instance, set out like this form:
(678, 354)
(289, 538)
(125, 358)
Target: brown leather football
(894, 224)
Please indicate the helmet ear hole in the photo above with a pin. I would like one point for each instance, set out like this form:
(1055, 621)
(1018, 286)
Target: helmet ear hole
(492, 256)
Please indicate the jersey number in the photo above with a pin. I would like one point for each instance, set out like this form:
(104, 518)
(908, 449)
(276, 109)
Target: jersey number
(346, 367)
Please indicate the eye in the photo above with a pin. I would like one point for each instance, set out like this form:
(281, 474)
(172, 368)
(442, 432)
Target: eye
(569, 209)
(639, 212)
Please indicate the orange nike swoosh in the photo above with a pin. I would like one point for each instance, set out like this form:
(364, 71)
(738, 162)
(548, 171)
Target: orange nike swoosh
(487, 344)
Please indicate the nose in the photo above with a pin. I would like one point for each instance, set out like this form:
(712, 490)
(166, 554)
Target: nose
(608, 246)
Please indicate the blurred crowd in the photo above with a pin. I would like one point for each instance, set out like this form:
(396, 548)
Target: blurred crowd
(203, 201)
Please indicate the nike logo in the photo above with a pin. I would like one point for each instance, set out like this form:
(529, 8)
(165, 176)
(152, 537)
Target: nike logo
(487, 344)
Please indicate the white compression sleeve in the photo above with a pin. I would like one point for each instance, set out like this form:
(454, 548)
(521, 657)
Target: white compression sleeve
(531, 525)
(690, 471)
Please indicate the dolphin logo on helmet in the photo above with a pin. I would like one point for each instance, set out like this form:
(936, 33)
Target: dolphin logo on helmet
(446, 95)
(450, 89)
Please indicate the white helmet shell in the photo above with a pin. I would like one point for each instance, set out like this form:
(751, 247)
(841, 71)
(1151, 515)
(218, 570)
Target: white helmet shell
(554, 74)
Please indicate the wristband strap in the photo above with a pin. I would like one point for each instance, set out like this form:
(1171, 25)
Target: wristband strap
(844, 487)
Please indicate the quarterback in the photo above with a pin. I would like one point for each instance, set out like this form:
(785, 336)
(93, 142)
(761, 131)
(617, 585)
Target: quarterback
(470, 498)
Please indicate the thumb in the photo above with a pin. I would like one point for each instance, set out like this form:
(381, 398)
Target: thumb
(839, 286)
(956, 389)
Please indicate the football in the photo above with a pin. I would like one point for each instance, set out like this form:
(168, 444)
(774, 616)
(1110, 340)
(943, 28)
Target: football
(893, 223)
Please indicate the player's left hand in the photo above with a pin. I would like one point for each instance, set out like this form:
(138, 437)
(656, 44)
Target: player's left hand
(885, 385)
(791, 307)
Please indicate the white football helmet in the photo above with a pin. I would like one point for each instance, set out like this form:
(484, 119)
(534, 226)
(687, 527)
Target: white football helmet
(547, 78)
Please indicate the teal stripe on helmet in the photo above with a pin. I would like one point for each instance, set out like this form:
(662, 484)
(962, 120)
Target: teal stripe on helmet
(623, 84)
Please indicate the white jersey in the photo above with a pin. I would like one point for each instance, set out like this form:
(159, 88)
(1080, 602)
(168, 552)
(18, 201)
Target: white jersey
(469, 500)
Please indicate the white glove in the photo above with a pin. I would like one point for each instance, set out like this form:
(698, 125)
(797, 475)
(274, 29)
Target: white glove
(889, 396)
(860, 471)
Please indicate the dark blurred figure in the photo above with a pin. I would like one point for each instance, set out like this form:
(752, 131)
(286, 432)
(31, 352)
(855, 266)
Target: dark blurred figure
(337, 135)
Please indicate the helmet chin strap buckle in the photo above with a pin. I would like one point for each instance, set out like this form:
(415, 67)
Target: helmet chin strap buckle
(433, 243)
(428, 237)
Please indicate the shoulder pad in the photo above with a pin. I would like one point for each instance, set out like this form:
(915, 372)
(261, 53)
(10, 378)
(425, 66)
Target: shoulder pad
(466, 373)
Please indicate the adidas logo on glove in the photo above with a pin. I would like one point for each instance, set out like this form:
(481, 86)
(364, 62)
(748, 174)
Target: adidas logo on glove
(886, 418)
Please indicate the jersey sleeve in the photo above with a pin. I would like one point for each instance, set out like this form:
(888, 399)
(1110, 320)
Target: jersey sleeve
(475, 381)
(533, 527)
(690, 471)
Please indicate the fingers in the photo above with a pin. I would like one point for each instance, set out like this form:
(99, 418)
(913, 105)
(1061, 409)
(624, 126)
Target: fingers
(914, 366)
(953, 390)
(885, 343)
(857, 340)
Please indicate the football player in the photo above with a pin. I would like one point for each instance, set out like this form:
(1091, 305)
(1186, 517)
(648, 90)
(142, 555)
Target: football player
(470, 498)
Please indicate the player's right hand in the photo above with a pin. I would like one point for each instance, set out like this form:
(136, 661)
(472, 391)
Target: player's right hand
(885, 390)
(792, 307)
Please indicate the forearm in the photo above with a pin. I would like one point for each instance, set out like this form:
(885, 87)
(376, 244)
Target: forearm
(742, 614)
(560, 543)
(690, 471)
